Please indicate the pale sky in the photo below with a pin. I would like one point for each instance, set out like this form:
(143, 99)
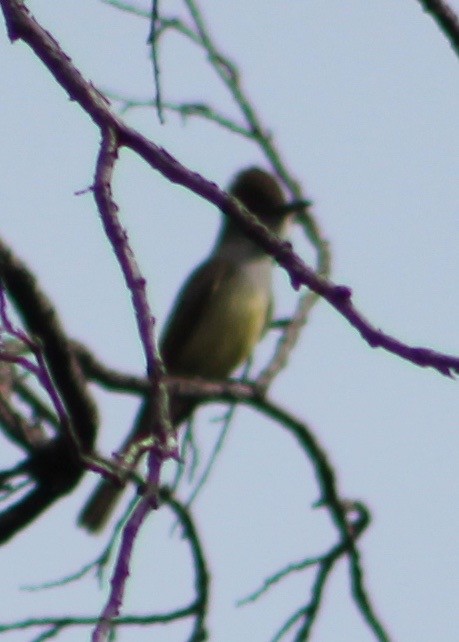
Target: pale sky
(363, 101)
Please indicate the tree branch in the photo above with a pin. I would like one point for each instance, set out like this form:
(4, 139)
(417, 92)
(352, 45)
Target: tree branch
(446, 19)
(21, 25)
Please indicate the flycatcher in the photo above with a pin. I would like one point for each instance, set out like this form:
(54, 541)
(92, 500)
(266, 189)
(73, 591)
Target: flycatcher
(219, 314)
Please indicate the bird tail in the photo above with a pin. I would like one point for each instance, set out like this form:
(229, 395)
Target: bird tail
(101, 504)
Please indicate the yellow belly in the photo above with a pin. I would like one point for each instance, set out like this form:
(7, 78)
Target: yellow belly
(233, 323)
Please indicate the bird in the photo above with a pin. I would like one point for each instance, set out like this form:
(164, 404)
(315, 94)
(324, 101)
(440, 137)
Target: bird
(219, 315)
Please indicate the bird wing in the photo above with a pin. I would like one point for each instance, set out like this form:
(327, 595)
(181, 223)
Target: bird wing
(190, 308)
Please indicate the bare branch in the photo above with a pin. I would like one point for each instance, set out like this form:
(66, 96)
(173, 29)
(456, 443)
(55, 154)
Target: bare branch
(197, 608)
(56, 465)
(153, 42)
(148, 502)
(21, 24)
(446, 19)
(42, 321)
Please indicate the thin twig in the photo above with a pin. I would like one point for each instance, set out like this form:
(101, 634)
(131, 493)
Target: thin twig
(153, 42)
